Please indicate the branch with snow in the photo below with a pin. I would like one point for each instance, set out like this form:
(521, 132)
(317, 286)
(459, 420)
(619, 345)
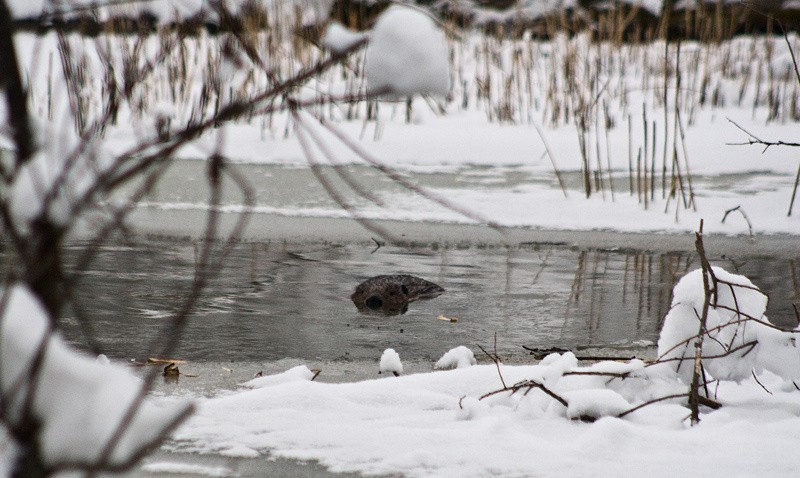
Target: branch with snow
(69, 391)
(715, 331)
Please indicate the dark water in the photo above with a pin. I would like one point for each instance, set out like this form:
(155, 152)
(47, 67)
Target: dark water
(277, 300)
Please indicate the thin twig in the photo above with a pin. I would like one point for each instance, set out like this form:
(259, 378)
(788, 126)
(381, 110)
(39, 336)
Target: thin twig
(650, 402)
(759, 382)
(741, 211)
(756, 140)
(398, 178)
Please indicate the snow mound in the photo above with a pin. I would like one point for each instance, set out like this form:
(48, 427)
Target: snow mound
(73, 392)
(740, 340)
(407, 54)
(339, 39)
(440, 424)
(300, 373)
(390, 362)
(592, 404)
(457, 357)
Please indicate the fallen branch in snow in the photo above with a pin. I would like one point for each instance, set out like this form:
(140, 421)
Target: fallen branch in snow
(713, 404)
(651, 402)
(529, 385)
(755, 377)
(599, 374)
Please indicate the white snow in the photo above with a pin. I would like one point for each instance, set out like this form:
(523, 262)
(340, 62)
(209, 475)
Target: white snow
(407, 54)
(434, 424)
(732, 326)
(595, 404)
(390, 362)
(457, 357)
(299, 373)
(166, 467)
(338, 38)
(78, 400)
(53, 178)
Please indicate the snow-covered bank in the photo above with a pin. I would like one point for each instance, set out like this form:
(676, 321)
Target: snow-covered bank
(413, 426)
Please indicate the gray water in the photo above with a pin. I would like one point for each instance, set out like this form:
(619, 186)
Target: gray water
(277, 300)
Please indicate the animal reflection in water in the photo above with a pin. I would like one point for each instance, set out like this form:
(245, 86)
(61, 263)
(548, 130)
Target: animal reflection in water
(391, 294)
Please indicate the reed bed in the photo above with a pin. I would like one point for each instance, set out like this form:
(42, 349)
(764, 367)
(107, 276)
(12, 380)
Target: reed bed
(629, 102)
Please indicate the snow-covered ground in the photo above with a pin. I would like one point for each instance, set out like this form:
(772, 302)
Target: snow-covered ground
(433, 424)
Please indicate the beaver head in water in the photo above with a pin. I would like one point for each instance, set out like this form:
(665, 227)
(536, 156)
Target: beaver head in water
(391, 294)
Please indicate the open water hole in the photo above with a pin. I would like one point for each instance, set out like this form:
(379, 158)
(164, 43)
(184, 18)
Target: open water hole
(274, 300)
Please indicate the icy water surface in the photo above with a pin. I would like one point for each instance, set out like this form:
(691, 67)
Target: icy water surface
(278, 300)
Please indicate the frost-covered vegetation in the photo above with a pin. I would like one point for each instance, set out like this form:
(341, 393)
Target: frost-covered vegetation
(634, 118)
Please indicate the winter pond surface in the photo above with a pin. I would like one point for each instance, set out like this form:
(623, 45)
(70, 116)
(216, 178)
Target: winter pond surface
(284, 291)
(276, 305)
(274, 301)
(282, 298)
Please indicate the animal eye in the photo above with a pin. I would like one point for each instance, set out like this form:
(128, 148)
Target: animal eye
(374, 302)
(404, 289)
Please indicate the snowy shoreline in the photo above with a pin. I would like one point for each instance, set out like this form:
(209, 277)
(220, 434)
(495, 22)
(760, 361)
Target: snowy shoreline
(185, 225)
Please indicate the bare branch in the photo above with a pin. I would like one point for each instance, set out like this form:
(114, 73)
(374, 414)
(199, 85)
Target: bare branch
(755, 377)
(396, 177)
(756, 140)
(710, 292)
(741, 211)
(15, 94)
(650, 402)
(332, 192)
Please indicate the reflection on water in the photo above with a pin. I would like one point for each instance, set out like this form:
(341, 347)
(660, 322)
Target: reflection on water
(276, 300)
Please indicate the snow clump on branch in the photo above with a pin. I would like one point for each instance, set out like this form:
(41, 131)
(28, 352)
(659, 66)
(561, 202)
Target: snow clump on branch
(78, 402)
(457, 357)
(740, 340)
(390, 362)
(407, 55)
